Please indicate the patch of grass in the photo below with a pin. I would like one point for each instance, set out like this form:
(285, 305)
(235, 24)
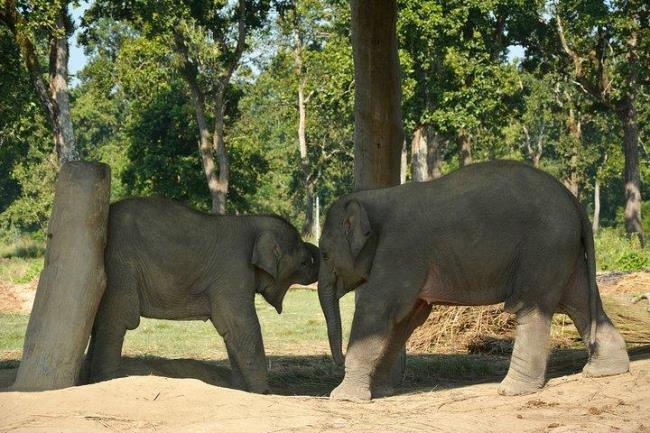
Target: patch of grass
(299, 329)
(23, 247)
(17, 270)
(13, 331)
(615, 252)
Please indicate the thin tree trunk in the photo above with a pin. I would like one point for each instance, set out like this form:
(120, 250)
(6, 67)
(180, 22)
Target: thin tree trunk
(205, 145)
(64, 142)
(309, 227)
(55, 103)
(572, 181)
(535, 155)
(596, 222)
(464, 148)
(419, 166)
(403, 164)
(221, 153)
(631, 171)
(434, 157)
(378, 134)
(189, 72)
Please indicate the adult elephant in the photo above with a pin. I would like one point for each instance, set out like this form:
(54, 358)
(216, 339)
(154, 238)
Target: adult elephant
(488, 233)
(166, 261)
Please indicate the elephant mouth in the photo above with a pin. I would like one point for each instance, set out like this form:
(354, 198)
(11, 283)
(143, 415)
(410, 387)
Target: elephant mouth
(274, 297)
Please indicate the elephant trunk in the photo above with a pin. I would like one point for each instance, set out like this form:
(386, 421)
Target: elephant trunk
(329, 302)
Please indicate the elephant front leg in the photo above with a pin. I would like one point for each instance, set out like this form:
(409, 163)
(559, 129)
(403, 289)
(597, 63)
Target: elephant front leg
(369, 337)
(392, 365)
(236, 377)
(242, 334)
(528, 363)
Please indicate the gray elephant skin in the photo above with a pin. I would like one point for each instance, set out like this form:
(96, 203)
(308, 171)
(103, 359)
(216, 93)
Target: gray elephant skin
(491, 232)
(166, 261)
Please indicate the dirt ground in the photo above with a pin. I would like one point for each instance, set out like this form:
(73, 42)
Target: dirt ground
(156, 404)
(191, 397)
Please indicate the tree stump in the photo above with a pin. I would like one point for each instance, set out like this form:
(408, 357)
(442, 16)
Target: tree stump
(72, 282)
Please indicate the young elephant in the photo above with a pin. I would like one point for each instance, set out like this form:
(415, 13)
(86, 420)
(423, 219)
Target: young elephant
(485, 234)
(166, 261)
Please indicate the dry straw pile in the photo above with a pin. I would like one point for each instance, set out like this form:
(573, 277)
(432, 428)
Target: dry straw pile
(489, 329)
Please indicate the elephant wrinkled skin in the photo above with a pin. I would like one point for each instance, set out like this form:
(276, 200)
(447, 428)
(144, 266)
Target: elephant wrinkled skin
(166, 261)
(488, 233)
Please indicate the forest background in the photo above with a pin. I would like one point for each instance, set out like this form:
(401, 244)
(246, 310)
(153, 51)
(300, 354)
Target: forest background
(247, 106)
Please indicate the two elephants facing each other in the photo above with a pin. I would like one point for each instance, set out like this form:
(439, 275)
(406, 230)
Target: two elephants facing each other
(491, 232)
(166, 261)
(488, 233)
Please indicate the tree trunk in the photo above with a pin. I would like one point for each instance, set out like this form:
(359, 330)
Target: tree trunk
(403, 167)
(64, 142)
(72, 281)
(55, 103)
(464, 148)
(596, 222)
(189, 72)
(309, 228)
(631, 172)
(378, 134)
(220, 151)
(434, 157)
(572, 181)
(419, 148)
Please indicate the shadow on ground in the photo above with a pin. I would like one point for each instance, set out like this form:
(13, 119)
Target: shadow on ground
(317, 375)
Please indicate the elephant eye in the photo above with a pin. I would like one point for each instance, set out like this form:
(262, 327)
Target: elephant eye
(304, 263)
(325, 257)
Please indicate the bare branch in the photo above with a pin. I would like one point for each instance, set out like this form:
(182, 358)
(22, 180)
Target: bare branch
(242, 32)
(577, 61)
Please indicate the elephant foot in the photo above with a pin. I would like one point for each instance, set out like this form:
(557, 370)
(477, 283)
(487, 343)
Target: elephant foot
(610, 366)
(510, 386)
(383, 390)
(350, 392)
(610, 356)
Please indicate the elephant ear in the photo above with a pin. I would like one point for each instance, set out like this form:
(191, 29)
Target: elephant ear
(356, 227)
(267, 253)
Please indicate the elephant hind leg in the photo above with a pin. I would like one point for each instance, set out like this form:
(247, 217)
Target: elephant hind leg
(528, 363)
(609, 355)
(118, 311)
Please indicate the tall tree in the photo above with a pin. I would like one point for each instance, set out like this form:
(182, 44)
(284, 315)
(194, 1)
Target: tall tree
(26, 20)
(209, 39)
(604, 42)
(301, 21)
(458, 85)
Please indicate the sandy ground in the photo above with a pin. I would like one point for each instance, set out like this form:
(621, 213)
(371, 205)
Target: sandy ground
(147, 403)
(156, 404)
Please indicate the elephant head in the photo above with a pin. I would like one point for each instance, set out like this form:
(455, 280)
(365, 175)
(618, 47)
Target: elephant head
(347, 248)
(283, 259)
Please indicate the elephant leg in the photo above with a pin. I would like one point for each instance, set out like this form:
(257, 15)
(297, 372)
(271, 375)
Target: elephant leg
(609, 355)
(237, 379)
(107, 353)
(236, 321)
(391, 367)
(372, 326)
(528, 362)
(118, 311)
(384, 385)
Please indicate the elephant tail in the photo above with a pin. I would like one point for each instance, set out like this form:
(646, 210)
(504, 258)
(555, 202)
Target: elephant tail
(590, 257)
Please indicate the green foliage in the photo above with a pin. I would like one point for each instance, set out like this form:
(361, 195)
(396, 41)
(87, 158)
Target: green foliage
(614, 252)
(132, 107)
